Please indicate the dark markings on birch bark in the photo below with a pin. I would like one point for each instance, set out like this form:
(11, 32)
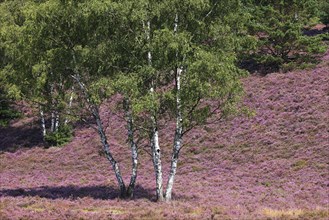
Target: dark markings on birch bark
(156, 153)
(95, 113)
(154, 136)
(43, 123)
(133, 146)
(69, 107)
(179, 126)
(177, 140)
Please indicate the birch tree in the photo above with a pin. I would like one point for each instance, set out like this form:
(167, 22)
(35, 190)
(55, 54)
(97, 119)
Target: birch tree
(171, 60)
(32, 67)
(62, 44)
(187, 72)
(204, 70)
(93, 61)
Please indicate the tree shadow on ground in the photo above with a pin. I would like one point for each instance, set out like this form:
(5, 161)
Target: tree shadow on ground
(254, 67)
(74, 192)
(25, 136)
(316, 31)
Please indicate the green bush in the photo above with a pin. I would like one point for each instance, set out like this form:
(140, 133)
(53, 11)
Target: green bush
(7, 113)
(60, 137)
(324, 11)
(278, 26)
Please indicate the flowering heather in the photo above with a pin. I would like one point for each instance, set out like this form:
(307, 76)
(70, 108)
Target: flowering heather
(270, 166)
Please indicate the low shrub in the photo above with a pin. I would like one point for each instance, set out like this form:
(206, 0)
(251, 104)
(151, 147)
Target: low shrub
(60, 137)
(7, 113)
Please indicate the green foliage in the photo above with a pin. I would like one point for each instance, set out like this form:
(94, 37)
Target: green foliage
(60, 137)
(324, 11)
(7, 113)
(205, 45)
(133, 49)
(278, 26)
(105, 42)
(100, 89)
(300, 164)
(43, 43)
(8, 90)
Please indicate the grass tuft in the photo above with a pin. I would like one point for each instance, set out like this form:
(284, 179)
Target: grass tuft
(300, 164)
(275, 213)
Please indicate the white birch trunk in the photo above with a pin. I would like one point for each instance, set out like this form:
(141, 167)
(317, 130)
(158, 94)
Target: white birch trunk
(179, 127)
(102, 135)
(156, 158)
(52, 125)
(157, 161)
(133, 146)
(57, 117)
(114, 163)
(56, 121)
(69, 107)
(43, 123)
(178, 137)
(53, 116)
(155, 147)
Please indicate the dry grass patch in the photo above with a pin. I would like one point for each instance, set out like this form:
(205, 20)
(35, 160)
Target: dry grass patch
(276, 213)
(112, 211)
(309, 214)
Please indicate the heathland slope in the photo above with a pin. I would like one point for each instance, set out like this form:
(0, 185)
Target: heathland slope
(270, 166)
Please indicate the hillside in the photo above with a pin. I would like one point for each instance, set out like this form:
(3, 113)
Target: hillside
(271, 166)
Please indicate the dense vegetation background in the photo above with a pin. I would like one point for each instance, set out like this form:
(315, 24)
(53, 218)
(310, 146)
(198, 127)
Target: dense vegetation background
(159, 88)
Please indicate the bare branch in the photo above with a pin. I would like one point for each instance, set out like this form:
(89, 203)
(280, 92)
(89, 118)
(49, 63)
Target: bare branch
(211, 10)
(142, 148)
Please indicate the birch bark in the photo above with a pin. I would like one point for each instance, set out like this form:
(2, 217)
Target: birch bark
(177, 139)
(156, 152)
(52, 125)
(43, 123)
(155, 146)
(133, 146)
(179, 127)
(102, 135)
(69, 107)
(114, 163)
(53, 115)
(56, 121)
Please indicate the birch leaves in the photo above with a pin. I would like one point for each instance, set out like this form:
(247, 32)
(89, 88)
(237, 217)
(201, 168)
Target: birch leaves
(188, 78)
(161, 58)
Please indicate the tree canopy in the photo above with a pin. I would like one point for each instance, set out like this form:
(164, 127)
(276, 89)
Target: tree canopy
(165, 60)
